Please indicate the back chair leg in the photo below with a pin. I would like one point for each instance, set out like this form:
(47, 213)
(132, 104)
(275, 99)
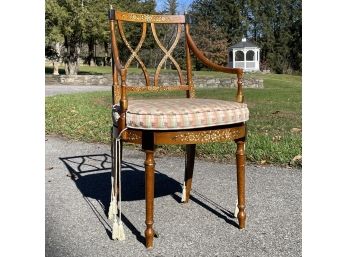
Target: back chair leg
(189, 165)
(149, 196)
(240, 160)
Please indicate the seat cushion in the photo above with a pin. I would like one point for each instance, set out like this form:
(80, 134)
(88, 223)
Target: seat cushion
(185, 113)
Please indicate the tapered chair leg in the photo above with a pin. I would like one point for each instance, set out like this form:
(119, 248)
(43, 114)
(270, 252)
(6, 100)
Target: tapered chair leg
(189, 165)
(240, 160)
(149, 197)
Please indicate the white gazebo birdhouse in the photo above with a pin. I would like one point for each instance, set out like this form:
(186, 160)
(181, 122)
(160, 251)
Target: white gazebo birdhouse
(244, 55)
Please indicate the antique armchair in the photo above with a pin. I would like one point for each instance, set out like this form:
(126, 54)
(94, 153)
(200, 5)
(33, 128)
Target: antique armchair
(188, 120)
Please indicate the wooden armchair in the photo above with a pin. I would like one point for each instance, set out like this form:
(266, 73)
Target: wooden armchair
(187, 121)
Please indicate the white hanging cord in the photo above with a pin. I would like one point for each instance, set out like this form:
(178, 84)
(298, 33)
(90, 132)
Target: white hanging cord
(112, 207)
(117, 230)
(113, 202)
(236, 209)
(183, 196)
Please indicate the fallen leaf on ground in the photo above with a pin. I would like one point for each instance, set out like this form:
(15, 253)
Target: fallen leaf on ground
(295, 130)
(297, 160)
(276, 138)
(297, 157)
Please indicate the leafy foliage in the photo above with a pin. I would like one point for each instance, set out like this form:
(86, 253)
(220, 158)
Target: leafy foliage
(171, 7)
(213, 43)
(76, 22)
(274, 25)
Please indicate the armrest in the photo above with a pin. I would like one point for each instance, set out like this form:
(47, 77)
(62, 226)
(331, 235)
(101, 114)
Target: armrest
(199, 54)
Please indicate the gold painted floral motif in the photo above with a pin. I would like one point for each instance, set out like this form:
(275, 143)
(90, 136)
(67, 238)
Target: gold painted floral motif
(131, 136)
(147, 18)
(208, 136)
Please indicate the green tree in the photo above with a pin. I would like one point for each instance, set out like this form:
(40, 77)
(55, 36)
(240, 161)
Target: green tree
(76, 22)
(274, 25)
(97, 27)
(207, 31)
(69, 23)
(276, 28)
(212, 41)
(171, 7)
(54, 40)
(295, 42)
(225, 15)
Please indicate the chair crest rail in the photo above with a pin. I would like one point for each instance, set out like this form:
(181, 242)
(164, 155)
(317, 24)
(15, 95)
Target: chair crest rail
(149, 18)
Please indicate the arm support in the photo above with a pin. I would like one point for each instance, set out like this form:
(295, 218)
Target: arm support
(210, 64)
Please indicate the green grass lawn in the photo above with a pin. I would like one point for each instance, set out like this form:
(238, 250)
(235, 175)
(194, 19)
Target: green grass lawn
(274, 113)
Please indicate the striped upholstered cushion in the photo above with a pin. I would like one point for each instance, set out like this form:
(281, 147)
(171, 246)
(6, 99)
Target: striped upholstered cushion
(185, 113)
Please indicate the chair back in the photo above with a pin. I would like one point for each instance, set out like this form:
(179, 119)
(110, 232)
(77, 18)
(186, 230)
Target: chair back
(147, 25)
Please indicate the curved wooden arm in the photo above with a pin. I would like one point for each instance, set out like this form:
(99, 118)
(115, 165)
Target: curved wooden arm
(206, 61)
(199, 54)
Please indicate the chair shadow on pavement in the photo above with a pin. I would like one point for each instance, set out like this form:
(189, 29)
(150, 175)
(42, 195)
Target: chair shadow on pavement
(92, 176)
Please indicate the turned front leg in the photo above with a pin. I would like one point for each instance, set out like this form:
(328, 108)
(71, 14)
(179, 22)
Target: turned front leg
(240, 159)
(149, 197)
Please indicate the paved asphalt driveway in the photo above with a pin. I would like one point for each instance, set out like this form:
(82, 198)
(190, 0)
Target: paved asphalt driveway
(77, 224)
(63, 89)
(77, 180)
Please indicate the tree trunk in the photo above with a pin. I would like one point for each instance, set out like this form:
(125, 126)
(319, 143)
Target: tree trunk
(106, 53)
(55, 68)
(57, 48)
(71, 68)
(71, 60)
(91, 60)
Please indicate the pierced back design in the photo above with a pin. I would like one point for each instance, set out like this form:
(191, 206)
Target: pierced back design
(135, 52)
(167, 53)
(144, 19)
